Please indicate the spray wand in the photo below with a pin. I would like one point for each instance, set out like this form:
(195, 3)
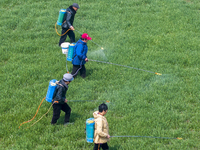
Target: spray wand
(125, 66)
(87, 101)
(149, 137)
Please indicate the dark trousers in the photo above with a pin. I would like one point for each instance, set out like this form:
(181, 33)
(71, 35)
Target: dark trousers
(56, 112)
(70, 33)
(104, 146)
(77, 68)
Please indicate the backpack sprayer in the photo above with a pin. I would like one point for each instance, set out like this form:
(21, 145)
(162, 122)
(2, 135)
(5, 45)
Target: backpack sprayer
(68, 50)
(59, 22)
(49, 98)
(90, 127)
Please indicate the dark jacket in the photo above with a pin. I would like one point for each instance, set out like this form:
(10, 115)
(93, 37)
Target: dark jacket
(80, 51)
(69, 17)
(60, 92)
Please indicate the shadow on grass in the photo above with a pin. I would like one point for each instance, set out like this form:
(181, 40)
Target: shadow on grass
(73, 118)
(88, 72)
(116, 147)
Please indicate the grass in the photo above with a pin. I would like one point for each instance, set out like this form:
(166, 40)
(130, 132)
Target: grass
(158, 36)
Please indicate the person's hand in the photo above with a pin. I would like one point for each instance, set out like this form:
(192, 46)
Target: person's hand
(72, 28)
(86, 59)
(66, 100)
(108, 136)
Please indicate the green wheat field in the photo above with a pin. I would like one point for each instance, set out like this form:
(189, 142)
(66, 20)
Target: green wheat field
(153, 35)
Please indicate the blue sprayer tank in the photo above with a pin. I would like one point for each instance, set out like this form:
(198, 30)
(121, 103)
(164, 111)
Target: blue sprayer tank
(61, 16)
(70, 52)
(51, 89)
(90, 130)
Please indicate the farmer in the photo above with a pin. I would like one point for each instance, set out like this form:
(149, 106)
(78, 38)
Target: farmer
(101, 135)
(60, 101)
(79, 56)
(68, 23)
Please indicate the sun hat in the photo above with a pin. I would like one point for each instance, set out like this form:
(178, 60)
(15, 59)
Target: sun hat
(85, 36)
(68, 77)
(76, 5)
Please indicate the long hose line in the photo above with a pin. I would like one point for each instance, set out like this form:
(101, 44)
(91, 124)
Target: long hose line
(50, 109)
(35, 113)
(66, 66)
(41, 117)
(125, 66)
(60, 34)
(78, 69)
(178, 138)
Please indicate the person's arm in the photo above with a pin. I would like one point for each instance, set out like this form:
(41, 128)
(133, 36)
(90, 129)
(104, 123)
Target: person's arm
(68, 17)
(59, 95)
(99, 129)
(79, 52)
(85, 53)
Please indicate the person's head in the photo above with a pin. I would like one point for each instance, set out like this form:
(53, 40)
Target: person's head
(67, 78)
(103, 108)
(85, 37)
(75, 6)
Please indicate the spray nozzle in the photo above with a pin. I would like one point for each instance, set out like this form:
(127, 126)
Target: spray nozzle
(158, 74)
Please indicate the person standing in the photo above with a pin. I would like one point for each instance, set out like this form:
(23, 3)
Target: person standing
(101, 133)
(80, 56)
(59, 101)
(68, 23)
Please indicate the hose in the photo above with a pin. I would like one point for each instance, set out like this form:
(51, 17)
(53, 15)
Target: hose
(125, 66)
(61, 34)
(34, 115)
(149, 137)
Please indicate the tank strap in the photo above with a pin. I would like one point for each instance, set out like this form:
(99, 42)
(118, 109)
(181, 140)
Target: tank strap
(60, 85)
(57, 82)
(65, 20)
(75, 49)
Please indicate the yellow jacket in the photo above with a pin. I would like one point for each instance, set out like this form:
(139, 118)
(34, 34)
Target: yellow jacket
(101, 128)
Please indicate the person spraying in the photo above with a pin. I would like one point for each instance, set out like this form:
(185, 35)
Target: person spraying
(80, 56)
(101, 133)
(68, 23)
(59, 99)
